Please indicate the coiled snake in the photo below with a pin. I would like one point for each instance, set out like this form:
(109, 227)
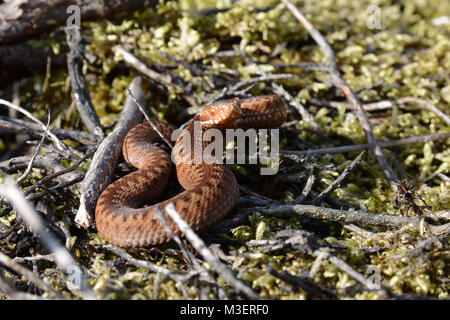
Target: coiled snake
(210, 190)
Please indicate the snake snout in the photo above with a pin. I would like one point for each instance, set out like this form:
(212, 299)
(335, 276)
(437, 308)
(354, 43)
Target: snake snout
(221, 113)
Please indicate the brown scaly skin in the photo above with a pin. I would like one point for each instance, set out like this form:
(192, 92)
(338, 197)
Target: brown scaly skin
(210, 189)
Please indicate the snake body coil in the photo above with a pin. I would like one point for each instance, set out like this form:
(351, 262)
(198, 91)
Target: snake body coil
(210, 190)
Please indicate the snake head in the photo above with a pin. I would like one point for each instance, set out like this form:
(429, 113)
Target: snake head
(221, 113)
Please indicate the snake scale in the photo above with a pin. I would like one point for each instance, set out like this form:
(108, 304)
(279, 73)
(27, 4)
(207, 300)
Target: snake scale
(123, 215)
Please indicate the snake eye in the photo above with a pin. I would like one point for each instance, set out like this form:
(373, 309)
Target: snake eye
(221, 113)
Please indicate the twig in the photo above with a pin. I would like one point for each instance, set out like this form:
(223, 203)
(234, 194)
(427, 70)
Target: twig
(278, 89)
(336, 183)
(427, 105)
(188, 256)
(359, 147)
(167, 141)
(306, 190)
(59, 144)
(5, 260)
(179, 278)
(59, 173)
(310, 66)
(267, 77)
(145, 264)
(165, 79)
(226, 273)
(38, 148)
(20, 126)
(105, 158)
(304, 283)
(46, 162)
(361, 218)
(349, 270)
(63, 259)
(81, 94)
(384, 104)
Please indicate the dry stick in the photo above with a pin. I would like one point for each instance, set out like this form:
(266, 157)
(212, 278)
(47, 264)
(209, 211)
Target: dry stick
(267, 77)
(105, 158)
(297, 105)
(189, 256)
(9, 125)
(336, 183)
(63, 259)
(180, 278)
(359, 147)
(165, 79)
(348, 269)
(306, 284)
(52, 190)
(83, 100)
(427, 105)
(38, 148)
(9, 291)
(361, 218)
(12, 264)
(226, 273)
(59, 144)
(340, 83)
(384, 104)
(47, 163)
(141, 108)
(306, 190)
(39, 257)
(58, 173)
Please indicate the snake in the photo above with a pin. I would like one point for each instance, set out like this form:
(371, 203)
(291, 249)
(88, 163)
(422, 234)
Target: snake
(125, 215)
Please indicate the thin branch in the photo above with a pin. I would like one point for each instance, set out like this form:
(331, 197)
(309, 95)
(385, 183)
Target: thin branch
(359, 147)
(105, 158)
(336, 183)
(12, 264)
(361, 218)
(306, 190)
(59, 144)
(141, 108)
(36, 152)
(384, 104)
(427, 105)
(8, 125)
(80, 90)
(307, 117)
(226, 273)
(306, 284)
(63, 259)
(188, 256)
(165, 79)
